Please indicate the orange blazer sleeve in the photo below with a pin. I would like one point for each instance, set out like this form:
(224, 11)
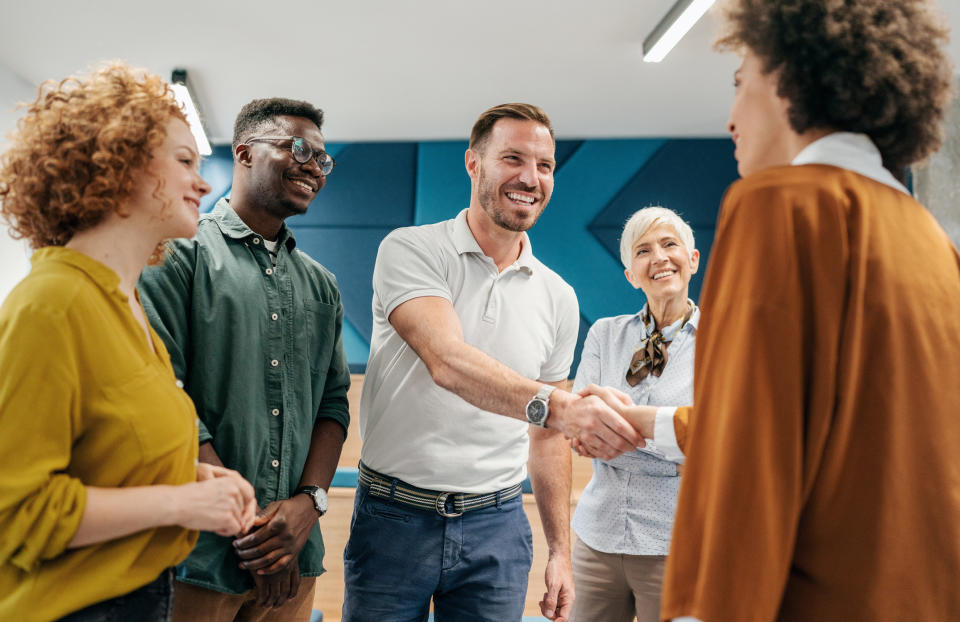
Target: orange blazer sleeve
(681, 418)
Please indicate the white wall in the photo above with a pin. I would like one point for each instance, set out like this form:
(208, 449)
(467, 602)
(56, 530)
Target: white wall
(14, 254)
(937, 183)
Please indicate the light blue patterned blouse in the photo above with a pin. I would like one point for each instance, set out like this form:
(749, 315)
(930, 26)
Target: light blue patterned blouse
(628, 506)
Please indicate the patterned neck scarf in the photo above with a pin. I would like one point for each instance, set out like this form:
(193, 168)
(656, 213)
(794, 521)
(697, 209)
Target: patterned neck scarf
(650, 357)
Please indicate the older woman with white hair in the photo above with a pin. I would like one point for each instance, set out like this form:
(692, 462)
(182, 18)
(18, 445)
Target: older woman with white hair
(624, 518)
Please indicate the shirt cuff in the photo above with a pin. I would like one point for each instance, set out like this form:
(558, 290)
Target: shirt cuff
(665, 436)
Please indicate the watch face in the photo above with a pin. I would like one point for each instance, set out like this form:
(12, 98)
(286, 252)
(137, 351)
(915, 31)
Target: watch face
(320, 499)
(536, 411)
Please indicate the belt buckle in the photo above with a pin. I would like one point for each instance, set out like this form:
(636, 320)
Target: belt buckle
(441, 506)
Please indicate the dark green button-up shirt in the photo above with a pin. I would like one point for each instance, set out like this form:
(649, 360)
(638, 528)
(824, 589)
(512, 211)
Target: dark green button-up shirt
(259, 349)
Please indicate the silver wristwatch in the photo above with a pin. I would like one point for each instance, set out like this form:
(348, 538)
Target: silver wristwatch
(539, 407)
(317, 495)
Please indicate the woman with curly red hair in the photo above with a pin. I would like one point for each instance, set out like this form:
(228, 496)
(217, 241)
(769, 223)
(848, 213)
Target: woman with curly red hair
(822, 480)
(100, 492)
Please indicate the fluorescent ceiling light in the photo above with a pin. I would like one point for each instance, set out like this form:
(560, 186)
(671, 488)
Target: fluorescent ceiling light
(183, 95)
(680, 19)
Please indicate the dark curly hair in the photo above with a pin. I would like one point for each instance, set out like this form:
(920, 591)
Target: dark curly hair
(260, 111)
(74, 156)
(871, 66)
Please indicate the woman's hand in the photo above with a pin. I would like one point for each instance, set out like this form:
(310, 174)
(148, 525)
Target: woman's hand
(220, 501)
(207, 471)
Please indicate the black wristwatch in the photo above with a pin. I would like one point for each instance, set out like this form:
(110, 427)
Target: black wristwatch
(317, 494)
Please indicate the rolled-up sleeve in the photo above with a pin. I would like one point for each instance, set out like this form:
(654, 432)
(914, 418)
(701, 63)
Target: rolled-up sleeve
(333, 404)
(40, 505)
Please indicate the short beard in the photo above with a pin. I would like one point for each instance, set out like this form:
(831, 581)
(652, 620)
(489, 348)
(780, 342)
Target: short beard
(488, 197)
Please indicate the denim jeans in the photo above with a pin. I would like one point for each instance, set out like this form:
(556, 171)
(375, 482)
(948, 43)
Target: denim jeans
(151, 603)
(474, 566)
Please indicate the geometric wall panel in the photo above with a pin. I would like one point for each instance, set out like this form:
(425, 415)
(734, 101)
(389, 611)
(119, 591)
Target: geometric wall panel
(688, 176)
(372, 184)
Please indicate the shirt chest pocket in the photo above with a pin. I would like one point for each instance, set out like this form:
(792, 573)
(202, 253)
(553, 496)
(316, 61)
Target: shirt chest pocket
(320, 319)
(158, 414)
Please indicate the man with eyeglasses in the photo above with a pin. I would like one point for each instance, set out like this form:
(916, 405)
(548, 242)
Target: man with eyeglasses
(472, 344)
(253, 327)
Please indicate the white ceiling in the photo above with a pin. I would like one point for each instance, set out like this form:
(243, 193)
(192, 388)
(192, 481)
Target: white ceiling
(399, 69)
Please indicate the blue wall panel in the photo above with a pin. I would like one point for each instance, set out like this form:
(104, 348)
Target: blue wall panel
(585, 185)
(217, 169)
(688, 176)
(377, 187)
(443, 187)
(372, 185)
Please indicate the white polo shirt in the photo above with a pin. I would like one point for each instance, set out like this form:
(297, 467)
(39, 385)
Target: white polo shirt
(526, 317)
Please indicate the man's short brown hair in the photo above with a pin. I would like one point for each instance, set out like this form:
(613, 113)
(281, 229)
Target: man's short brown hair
(486, 121)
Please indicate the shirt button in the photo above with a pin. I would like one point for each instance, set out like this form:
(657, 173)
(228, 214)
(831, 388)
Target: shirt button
(274, 363)
(269, 271)
(179, 383)
(256, 240)
(274, 317)
(275, 463)
(275, 412)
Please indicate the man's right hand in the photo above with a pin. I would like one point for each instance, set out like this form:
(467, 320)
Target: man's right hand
(274, 590)
(594, 423)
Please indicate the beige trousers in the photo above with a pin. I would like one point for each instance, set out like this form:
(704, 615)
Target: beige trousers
(615, 588)
(196, 604)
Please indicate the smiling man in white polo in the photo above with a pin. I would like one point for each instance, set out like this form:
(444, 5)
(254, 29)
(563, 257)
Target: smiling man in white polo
(472, 337)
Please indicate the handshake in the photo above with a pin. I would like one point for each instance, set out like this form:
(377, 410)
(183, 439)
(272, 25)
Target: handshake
(601, 422)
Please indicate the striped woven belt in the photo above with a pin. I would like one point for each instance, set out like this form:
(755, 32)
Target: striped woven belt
(387, 487)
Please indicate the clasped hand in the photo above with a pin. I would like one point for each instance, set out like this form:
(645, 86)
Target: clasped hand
(594, 419)
(271, 552)
(623, 407)
(280, 531)
(220, 501)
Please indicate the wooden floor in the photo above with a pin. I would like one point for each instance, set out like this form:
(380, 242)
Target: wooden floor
(336, 526)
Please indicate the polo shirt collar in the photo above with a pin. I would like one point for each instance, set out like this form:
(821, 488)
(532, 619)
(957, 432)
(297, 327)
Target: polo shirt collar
(233, 226)
(464, 242)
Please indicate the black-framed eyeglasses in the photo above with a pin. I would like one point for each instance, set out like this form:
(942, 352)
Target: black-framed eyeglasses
(301, 151)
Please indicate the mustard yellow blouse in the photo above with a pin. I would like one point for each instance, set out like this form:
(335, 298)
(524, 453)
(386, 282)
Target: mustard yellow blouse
(84, 402)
